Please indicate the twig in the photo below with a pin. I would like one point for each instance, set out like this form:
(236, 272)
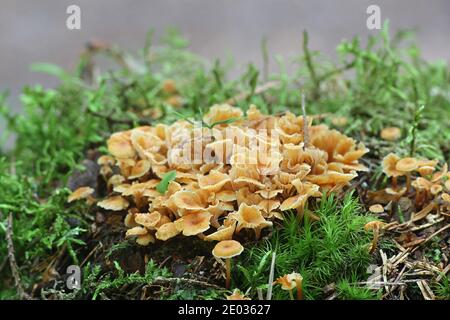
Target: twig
(271, 276)
(305, 123)
(310, 66)
(12, 259)
(432, 236)
(170, 281)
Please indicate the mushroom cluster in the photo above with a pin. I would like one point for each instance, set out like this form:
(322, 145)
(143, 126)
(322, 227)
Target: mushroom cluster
(236, 174)
(422, 180)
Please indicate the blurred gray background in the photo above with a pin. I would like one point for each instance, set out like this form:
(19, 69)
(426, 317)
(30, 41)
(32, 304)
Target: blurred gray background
(35, 31)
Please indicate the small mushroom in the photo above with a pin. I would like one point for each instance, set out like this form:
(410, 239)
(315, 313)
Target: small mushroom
(376, 208)
(193, 223)
(290, 281)
(227, 249)
(407, 165)
(375, 226)
(116, 203)
(250, 217)
(167, 231)
(389, 168)
(237, 295)
(82, 193)
(391, 133)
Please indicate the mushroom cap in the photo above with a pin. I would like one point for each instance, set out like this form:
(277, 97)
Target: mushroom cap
(237, 295)
(188, 199)
(435, 189)
(391, 133)
(447, 184)
(223, 233)
(148, 220)
(119, 145)
(193, 223)
(140, 169)
(425, 170)
(286, 282)
(145, 240)
(389, 165)
(106, 160)
(372, 225)
(214, 181)
(407, 164)
(289, 281)
(136, 231)
(167, 231)
(250, 217)
(80, 193)
(446, 197)
(115, 203)
(227, 249)
(376, 208)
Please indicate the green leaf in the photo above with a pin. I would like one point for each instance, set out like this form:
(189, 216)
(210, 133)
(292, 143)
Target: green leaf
(164, 184)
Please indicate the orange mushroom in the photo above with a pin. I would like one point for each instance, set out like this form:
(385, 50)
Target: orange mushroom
(227, 249)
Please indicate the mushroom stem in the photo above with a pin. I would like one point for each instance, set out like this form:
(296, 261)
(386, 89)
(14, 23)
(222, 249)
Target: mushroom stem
(298, 283)
(375, 240)
(228, 272)
(408, 182)
(291, 295)
(394, 182)
(257, 233)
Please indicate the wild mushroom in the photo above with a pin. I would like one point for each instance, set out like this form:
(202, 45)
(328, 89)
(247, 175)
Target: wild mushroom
(193, 223)
(222, 233)
(115, 203)
(227, 249)
(250, 217)
(167, 231)
(391, 133)
(237, 295)
(389, 168)
(290, 281)
(375, 226)
(407, 165)
(82, 193)
(376, 208)
(140, 169)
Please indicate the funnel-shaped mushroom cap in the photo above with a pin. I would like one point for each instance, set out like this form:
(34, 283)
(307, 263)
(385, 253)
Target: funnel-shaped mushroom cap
(446, 197)
(193, 223)
(389, 165)
(119, 145)
(391, 133)
(223, 233)
(407, 165)
(214, 181)
(222, 112)
(140, 169)
(376, 208)
(116, 203)
(373, 225)
(80, 193)
(145, 239)
(289, 281)
(250, 217)
(148, 220)
(227, 249)
(237, 295)
(447, 185)
(167, 231)
(435, 189)
(136, 231)
(187, 199)
(106, 160)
